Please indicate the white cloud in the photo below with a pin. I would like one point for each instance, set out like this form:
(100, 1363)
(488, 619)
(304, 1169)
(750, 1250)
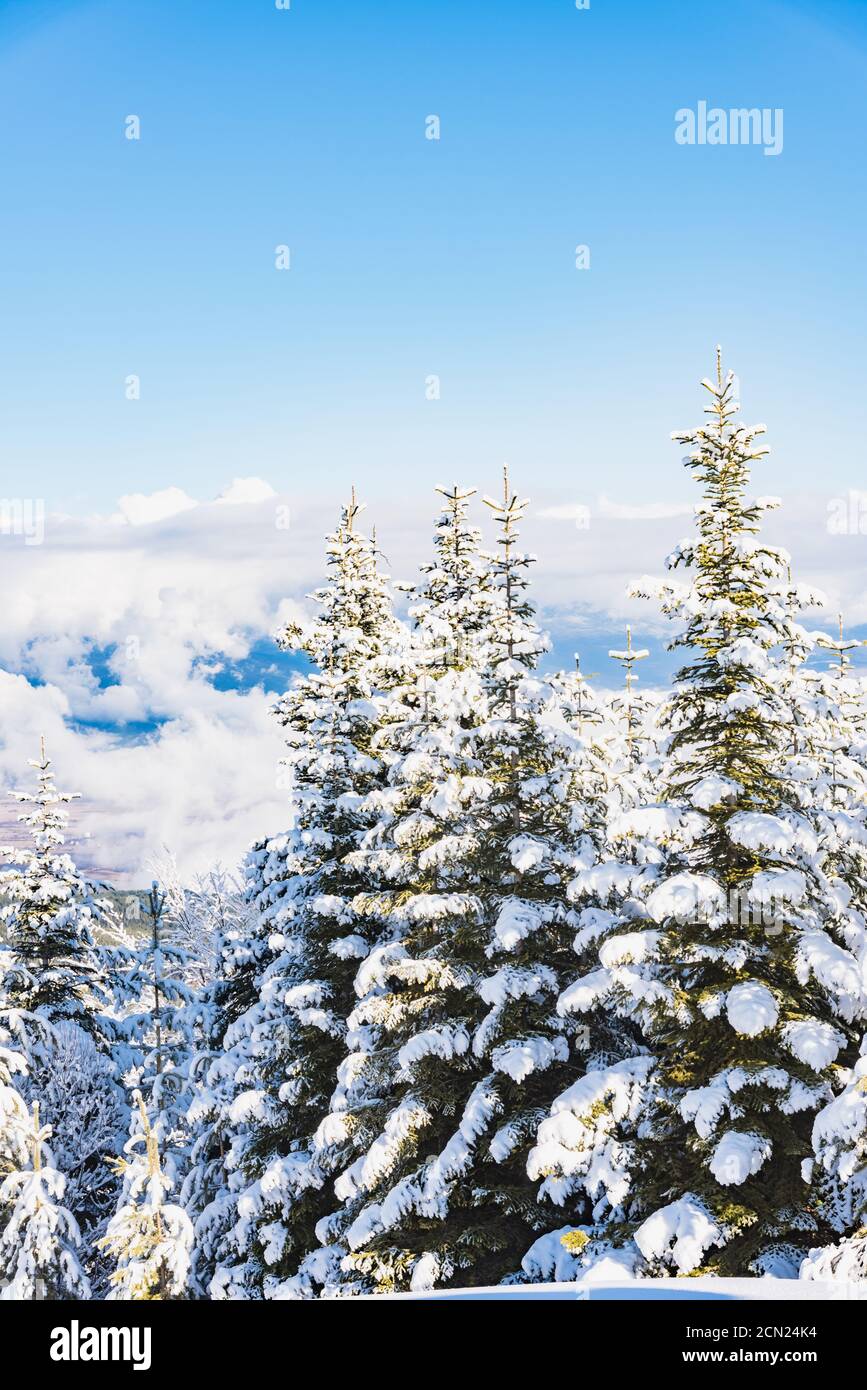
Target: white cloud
(164, 596)
(581, 513)
(569, 511)
(141, 509)
(244, 490)
(646, 511)
(205, 785)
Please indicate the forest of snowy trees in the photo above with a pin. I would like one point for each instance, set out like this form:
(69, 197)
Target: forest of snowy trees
(538, 983)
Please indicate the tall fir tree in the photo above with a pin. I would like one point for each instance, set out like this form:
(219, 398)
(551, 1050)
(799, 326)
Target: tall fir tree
(80, 1098)
(742, 974)
(13, 1109)
(40, 1239)
(226, 923)
(423, 721)
(148, 1238)
(829, 760)
(49, 910)
(292, 1036)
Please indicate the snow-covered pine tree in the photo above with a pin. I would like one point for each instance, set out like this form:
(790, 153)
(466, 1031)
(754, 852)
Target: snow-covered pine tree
(452, 605)
(56, 992)
(456, 1047)
(155, 1018)
(422, 722)
(840, 1171)
(170, 1018)
(587, 707)
(49, 910)
(157, 1015)
(752, 988)
(830, 758)
(13, 1110)
(626, 743)
(217, 913)
(625, 707)
(825, 771)
(149, 1238)
(578, 1156)
(211, 1184)
(39, 1240)
(834, 722)
(218, 1070)
(169, 1021)
(80, 1098)
(289, 1042)
(200, 918)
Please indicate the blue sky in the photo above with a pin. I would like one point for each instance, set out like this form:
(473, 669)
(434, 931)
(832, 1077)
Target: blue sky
(413, 257)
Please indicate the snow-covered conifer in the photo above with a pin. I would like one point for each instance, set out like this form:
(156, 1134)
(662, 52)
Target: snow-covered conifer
(13, 1110)
(741, 962)
(289, 1041)
(149, 1238)
(453, 603)
(49, 911)
(39, 1240)
(80, 1099)
(200, 919)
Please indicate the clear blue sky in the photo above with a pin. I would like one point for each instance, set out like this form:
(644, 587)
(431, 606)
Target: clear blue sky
(413, 257)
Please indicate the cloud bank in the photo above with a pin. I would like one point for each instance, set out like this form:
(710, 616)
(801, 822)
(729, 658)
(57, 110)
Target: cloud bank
(137, 643)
